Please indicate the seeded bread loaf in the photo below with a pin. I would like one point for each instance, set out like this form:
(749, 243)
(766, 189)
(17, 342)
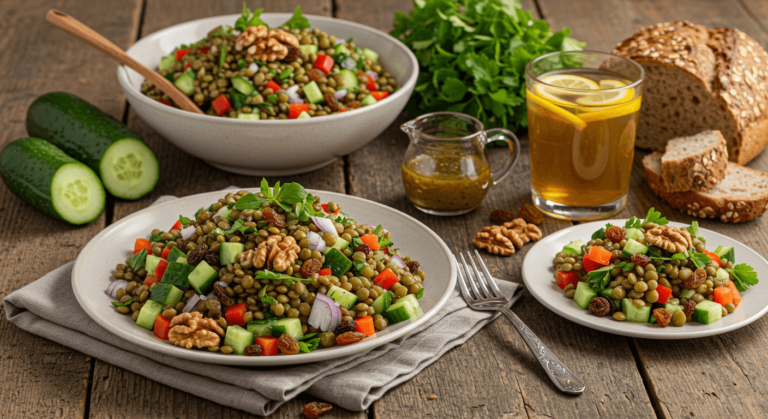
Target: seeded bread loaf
(694, 163)
(701, 79)
(741, 196)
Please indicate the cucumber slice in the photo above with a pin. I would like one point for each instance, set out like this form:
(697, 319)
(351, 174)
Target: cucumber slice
(228, 252)
(126, 165)
(687, 294)
(165, 294)
(400, 311)
(261, 328)
(373, 55)
(573, 248)
(633, 246)
(726, 252)
(633, 233)
(340, 244)
(584, 294)
(303, 115)
(351, 83)
(147, 314)
(177, 274)
(167, 62)
(151, 263)
(707, 312)
(672, 308)
(287, 326)
(249, 116)
(345, 298)
(44, 176)
(186, 82)
(174, 255)
(635, 314)
(310, 49)
(382, 303)
(313, 93)
(722, 275)
(368, 100)
(238, 338)
(342, 49)
(242, 85)
(338, 263)
(182, 260)
(202, 277)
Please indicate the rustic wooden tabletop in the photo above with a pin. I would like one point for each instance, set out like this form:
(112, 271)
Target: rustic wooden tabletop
(494, 374)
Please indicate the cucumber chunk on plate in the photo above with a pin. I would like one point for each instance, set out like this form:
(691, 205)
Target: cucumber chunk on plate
(151, 263)
(345, 298)
(178, 274)
(202, 277)
(351, 83)
(373, 55)
(310, 49)
(313, 93)
(288, 326)
(707, 312)
(382, 303)
(228, 252)
(340, 244)
(369, 100)
(406, 308)
(174, 255)
(573, 248)
(46, 177)
(166, 294)
(147, 314)
(633, 246)
(584, 294)
(635, 314)
(261, 328)
(242, 85)
(238, 338)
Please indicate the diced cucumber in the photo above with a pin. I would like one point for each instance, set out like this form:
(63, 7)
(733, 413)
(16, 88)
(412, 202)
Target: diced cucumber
(304, 115)
(238, 338)
(174, 255)
(228, 252)
(573, 248)
(707, 312)
(261, 328)
(382, 303)
(403, 309)
(151, 263)
(373, 55)
(313, 93)
(310, 49)
(633, 246)
(635, 314)
(337, 261)
(342, 49)
(182, 261)
(178, 274)
(147, 314)
(186, 82)
(224, 212)
(249, 116)
(368, 100)
(345, 298)
(242, 85)
(584, 294)
(167, 62)
(672, 308)
(722, 274)
(633, 233)
(340, 244)
(687, 294)
(726, 252)
(287, 326)
(351, 83)
(202, 278)
(166, 294)
(608, 293)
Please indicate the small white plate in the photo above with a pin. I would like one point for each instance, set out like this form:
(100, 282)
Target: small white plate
(538, 275)
(94, 266)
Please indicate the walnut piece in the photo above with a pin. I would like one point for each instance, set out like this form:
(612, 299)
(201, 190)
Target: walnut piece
(191, 329)
(501, 240)
(670, 238)
(265, 45)
(276, 253)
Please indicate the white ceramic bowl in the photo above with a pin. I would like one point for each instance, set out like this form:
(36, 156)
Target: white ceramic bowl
(277, 147)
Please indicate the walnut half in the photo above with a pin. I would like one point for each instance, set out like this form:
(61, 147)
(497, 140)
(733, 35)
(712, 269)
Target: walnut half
(670, 238)
(265, 45)
(501, 240)
(276, 253)
(191, 329)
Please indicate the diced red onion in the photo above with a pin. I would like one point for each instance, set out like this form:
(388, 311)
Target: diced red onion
(191, 304)
(253, 67)
(316, 242)
(186, 232)
(293, 95)
(340, 94)
(326, 314)
(349, 64)
(295, 100)
(210, 296)
(325, 225)
(397, 260)
(114, 286)
(292, 89)
(373, 74)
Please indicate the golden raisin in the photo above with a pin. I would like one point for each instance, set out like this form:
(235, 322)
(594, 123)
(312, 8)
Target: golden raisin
(288, 345)
(501, 216)
(530, 214)
(310, 266)
(693, 281)
(315, 409)
(272, 217)
(349, 338)
(662, 317)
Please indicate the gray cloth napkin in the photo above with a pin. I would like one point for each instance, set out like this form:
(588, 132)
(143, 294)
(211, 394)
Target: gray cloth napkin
(47, 307)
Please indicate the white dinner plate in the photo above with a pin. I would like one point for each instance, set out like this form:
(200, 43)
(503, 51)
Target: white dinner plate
(94, 266)
(538, 275)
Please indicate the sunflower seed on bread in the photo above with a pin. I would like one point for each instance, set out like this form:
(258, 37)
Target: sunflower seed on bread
(741, 196)
(694, 163)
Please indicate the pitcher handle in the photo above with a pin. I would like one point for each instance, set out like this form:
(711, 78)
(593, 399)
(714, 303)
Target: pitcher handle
(498, 134)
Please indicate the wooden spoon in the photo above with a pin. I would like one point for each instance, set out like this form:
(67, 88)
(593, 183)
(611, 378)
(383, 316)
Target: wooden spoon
(82, 32)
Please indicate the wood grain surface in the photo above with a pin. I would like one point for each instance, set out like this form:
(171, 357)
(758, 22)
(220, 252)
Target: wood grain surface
(494, 374)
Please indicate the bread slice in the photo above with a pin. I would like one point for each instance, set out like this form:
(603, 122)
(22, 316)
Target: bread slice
(741, 196)
(694, 163)
(701, 79)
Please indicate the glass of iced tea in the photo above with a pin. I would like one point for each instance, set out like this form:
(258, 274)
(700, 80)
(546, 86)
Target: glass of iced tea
(583, 108)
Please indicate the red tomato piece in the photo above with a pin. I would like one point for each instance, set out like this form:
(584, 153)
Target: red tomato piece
(712, 256)
(268, 345)
(160, 268)
(323, 63)
(371, 85)
(723, 295)
(235, 314)
(565, 278)
(364, 325)
(325, 272)
(590, 265)
(371, 240)
(664, 294)
(379, 95)
(221, 104)
(186, 66)
(204, 50)
(151, 279)
(342, 110)
(165, 253)
(386, 279)
(180, 53)
(274, 86)
(165, 102)
(736, 294)
(141, 244)
(294, 110)
(176, 225)
(600, 255)
(162, 327)
(325, 208)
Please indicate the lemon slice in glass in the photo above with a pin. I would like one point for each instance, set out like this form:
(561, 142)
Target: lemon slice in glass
(604, 97)
(567, 81)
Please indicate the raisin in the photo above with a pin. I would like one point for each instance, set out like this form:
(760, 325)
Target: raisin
(690, 306)
(182, 245)
(220, 293)
(640, 259)
(599, 306)
(611, 304)
(272, 217)
(310, 266)
(315, 409)
(354, 104)
(363, 248)
(662, 317)
(196, 255)
(344, 327)
(293, 54)
(288, 345)
(349, 338)
(615, 234)
(253, 350)
(413, 266)
(315, 74)
(501, 216)
(697, 278)
(331, 101)
(530, 214)
(212, 258)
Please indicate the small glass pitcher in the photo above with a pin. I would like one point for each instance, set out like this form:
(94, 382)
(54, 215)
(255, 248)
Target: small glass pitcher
(446, 170)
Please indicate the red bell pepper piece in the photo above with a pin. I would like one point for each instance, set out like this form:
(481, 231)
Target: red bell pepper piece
(221, 104)
(379, 95)
(325, 208)
(180, 53)
(364, 325)
(165, 102)
(141, 244)
(342, 110)
(165, 253)
(371, 85)
(204, 50)
(386, 279)
(723, 295)
(736, 294)
(294, 110)
(371, 240)
(268, 345)
(162, 327)
(600, 255)
(664, 294)
(275, 87)
(235, 314)
(325, 272)
(176, 225)
(564, 278)
(712, 256)
(151, 279)
(590, 265)
(186, 66)
(323, 63)
(160, 269)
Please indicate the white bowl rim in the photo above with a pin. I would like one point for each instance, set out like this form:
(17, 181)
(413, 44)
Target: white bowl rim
(122, 75)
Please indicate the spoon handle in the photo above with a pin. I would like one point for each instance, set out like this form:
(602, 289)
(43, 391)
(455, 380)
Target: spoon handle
(82, 32)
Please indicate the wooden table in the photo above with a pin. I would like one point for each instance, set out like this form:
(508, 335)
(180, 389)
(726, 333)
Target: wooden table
(493, 374)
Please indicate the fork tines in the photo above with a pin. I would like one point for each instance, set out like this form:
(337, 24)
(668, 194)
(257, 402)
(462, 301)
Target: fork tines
(484, 281)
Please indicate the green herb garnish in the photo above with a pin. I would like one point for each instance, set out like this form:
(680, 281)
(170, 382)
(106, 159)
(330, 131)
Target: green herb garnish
(655, 217)
(137, 261)
(117, 304)
(265, 298)
(235, 227)
(420, 293)
(246, 19)
(599, 278)
(297, 21)
(600, 234)
(744, 275)
(184, 220)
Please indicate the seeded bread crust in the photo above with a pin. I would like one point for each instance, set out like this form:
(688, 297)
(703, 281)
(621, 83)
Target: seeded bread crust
(727, 64)
(707, 204)
(697, 170)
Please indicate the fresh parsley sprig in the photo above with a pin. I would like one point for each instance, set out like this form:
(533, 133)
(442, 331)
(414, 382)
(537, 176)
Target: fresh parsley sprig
(599, 278)
(136, 261)
(654, 217)
(744, 275)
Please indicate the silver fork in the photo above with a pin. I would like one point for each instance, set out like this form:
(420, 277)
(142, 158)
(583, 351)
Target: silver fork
(486, 299)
